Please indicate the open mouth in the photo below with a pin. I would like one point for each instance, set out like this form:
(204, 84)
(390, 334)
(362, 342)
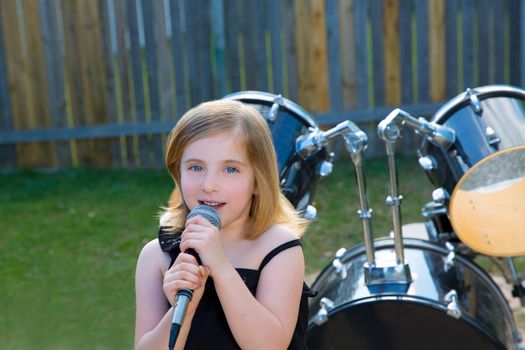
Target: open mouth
(215, 205)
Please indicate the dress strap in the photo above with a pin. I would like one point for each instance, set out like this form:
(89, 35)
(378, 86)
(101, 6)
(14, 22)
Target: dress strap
(277, 250)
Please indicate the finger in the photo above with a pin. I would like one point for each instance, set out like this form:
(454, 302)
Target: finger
(184, 266)
(199, 220)
(194, 244)
(183, 276)
(174, 286)
(204, 271)
(184, 258)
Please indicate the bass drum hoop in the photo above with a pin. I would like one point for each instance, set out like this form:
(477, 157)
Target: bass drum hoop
(416, 243)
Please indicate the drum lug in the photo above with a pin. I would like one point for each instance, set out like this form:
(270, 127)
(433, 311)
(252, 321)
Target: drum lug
(274, 111)
(310, 213)
(451, 298)
(322, 315)
(474, 102)
(339, 267)
(492, 137)
(427, 163)
(449, 261)
(440, 195)
(325, 168)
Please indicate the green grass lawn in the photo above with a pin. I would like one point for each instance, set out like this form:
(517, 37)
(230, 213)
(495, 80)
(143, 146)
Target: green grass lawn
(69, 242)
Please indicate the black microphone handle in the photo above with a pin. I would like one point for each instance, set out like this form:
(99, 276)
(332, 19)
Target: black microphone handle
(184, 295)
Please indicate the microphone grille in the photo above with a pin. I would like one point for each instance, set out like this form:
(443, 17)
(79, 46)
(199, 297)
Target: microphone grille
(207, 212)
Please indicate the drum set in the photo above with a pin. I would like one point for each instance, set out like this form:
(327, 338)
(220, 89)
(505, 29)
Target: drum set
(399, 292)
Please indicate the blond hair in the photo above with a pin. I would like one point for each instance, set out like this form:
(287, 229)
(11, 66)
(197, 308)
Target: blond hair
(269, 206)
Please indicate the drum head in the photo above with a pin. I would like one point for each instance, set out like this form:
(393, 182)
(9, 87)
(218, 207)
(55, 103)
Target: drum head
(486, 208)
(398, 325)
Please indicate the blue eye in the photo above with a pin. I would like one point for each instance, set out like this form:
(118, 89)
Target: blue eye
(195, 168)
(231, 170)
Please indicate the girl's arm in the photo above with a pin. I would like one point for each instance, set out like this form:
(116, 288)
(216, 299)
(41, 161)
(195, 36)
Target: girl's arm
(153, 317)
(268, 320)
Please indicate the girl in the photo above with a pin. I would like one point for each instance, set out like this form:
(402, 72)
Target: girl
(248, 292)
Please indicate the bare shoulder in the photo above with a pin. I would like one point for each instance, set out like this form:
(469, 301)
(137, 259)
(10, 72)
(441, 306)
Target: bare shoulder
(277, 235)
(153, 257)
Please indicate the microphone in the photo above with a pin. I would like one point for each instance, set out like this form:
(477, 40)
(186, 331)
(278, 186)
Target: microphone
(184, 296)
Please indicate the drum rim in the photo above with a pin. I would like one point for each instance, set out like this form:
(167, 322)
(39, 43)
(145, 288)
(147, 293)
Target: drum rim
(255, 95)
(384, 242)
(482, 92)
(396, 297)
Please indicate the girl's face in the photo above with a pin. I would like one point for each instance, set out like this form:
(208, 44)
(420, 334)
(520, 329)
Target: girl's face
(215, 171)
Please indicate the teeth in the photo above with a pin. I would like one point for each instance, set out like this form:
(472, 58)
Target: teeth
(213, 204)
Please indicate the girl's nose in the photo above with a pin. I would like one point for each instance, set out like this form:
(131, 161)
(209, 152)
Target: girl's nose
(209, 184)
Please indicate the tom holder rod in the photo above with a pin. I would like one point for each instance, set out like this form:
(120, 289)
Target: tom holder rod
(390, 129)
(356, 143)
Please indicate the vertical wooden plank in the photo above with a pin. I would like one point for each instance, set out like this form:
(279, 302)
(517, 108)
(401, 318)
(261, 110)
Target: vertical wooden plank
(150, 26)
(124, 83)
(73, 86)
(406, 10)
(303, 39)
(378, 57)
(451, 48)
(38, 154)
(311, 55)
(292, 82)
(437, 49)
(137, 76)
(361, 49)
(334, 56)
(35, 81)
(231, 15)
(93, 80)
(484, 47)
(423, 81)
(274, 25)
(391, 44)
(161, 18)
(468, 10)
(7, 152)
(407, 50)
(108, 47)
(254, 44)
(197, 14)
(320, 68)
(347, 57)
(51, 35)
(179, 54)
(514, 42)
(499, 39)
(218, 30)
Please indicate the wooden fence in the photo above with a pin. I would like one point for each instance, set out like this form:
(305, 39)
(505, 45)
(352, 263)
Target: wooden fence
(99, 83)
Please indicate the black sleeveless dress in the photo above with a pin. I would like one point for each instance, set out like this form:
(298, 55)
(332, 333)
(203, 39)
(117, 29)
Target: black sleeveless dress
(213, 331)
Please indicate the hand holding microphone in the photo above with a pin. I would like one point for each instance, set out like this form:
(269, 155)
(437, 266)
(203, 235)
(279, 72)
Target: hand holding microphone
(184, 296)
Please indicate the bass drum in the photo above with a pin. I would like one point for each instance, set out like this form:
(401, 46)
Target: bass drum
(450, 304)
(287, 122)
